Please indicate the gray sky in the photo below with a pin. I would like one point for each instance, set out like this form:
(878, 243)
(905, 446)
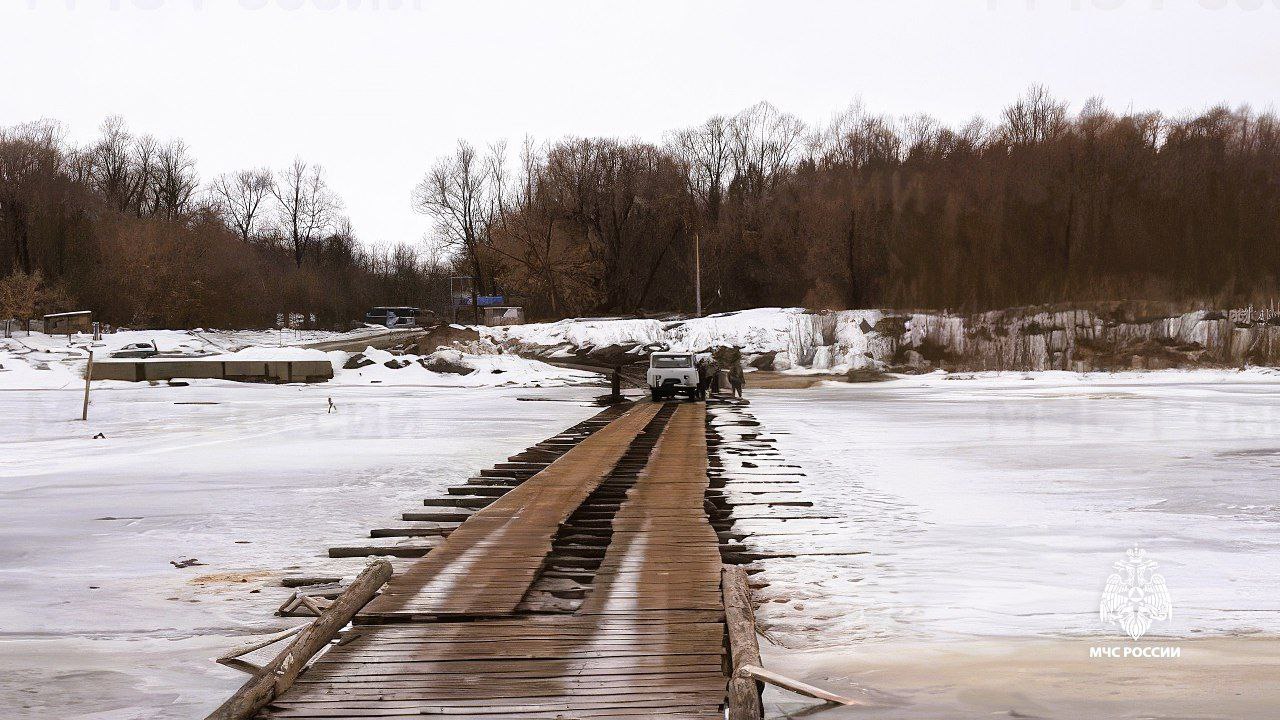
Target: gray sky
(375, 89)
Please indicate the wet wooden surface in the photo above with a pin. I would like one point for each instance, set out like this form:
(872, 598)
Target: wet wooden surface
(648, 642)
(487, 564)
(664, 553)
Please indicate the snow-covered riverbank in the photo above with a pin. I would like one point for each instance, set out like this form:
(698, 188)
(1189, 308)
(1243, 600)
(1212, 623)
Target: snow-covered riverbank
(57, 362)
(1100, 336)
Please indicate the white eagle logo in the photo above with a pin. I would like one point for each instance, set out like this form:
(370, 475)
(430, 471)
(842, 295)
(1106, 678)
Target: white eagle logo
(1135, 596)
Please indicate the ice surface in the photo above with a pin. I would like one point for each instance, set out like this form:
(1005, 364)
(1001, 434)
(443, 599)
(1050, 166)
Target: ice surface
(996, 504)
(259, 482)
(990, 508)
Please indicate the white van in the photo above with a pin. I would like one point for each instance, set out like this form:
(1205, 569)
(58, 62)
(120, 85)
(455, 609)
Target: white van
(672, 373)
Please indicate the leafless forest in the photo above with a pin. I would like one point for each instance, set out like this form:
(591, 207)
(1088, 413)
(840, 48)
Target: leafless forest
(1045, 203)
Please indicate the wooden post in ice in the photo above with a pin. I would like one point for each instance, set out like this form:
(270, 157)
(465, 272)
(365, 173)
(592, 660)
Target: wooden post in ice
(744, 651)
(88, 377)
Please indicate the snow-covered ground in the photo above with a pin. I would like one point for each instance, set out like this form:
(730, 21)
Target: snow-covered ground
(58, 361)
(991, 508)
(797, 339)
(757, 330)
(487, 370)
(254, 481)
(177, 340)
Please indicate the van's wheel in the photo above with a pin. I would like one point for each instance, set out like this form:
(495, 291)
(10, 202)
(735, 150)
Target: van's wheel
(654, 394)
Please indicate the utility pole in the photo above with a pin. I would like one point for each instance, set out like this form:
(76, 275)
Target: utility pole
(697, 274)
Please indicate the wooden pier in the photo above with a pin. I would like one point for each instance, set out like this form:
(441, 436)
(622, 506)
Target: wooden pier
(613, 529)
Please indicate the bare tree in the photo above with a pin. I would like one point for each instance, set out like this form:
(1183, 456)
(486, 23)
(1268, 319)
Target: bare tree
(142, 197)
(524, 232)
(306, 206)
(457, 193)
(30, 161)
(174, 180)
(1035, 118)
(705, 152)
(855, 138)
(764, 142)
(139, 175)
(240, 197)
(113, 163)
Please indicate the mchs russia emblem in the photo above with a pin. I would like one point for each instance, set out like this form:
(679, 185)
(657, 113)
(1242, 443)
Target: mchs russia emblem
(1135, 596)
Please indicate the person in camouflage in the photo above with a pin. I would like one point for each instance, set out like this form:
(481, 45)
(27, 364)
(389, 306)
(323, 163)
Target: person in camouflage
(737, 379)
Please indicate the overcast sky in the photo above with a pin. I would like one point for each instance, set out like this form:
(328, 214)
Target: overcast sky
(374, 90)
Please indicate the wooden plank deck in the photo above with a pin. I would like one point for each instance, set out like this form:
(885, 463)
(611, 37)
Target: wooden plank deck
(487, 564)
(648, 642)
(664, 554)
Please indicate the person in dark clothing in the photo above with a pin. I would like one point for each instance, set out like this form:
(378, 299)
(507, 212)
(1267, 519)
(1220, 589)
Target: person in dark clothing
(737, 379)
(704, 378)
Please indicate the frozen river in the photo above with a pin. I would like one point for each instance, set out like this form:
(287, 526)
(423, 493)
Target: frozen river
(254, 481)
(991, 510)
(987, 513)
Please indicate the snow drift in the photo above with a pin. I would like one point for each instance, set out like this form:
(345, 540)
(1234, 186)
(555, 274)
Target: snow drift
(452, 367)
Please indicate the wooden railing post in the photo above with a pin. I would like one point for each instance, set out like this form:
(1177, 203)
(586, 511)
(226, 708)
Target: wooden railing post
(744, 649)
(278, 675)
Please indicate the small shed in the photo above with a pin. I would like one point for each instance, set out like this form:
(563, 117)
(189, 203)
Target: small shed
(67, 323)
(500, 315)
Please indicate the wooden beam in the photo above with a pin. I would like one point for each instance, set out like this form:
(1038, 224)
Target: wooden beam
(744, 649)
(795, 686)
(243, 666)
(259, 644)
(279, 674)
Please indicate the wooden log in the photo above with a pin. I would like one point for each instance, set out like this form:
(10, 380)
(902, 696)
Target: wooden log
(279, 674)
(744, 649)
(744, 699)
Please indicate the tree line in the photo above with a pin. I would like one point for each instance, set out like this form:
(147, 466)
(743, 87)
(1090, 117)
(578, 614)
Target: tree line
(1041, 204)
(125, 226)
